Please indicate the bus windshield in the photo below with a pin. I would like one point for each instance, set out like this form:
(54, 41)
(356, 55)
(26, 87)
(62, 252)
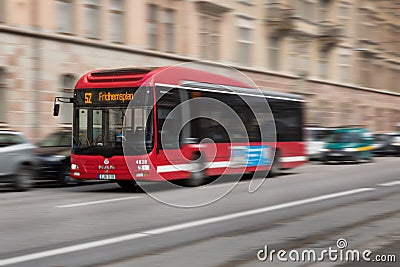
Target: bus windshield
(101, 131)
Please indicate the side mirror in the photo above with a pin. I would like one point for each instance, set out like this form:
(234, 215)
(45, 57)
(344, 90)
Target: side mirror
(56, 109)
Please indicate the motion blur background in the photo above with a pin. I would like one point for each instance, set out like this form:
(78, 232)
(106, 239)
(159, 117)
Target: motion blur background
(343, 56)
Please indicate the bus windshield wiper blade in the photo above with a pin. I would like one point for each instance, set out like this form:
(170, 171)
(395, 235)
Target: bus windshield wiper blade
(79, 149)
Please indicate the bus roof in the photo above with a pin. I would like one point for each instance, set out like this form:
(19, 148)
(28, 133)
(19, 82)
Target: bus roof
(133, 77)
(240, 90)
(181, 76)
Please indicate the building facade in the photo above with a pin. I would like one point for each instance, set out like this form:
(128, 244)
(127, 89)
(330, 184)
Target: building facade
(342, 55)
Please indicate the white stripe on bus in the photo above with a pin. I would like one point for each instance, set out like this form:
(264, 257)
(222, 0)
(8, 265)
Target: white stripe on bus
(186, 167)
(218, 164)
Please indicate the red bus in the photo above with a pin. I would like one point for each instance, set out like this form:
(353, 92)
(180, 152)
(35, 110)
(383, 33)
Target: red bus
(127, 127)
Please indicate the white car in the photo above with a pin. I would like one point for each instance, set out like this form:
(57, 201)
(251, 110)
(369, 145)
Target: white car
(17, 160)
(315, 138)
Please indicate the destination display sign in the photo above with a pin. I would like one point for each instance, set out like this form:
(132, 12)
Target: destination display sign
(105, 96)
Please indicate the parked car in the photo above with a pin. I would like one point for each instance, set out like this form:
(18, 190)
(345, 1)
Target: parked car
(348, 144)
(387, 144)
(315, 138)
(54, 156)
(395, 144)
(17, 160)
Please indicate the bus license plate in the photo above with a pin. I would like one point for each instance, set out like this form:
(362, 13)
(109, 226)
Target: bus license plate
(106, 176)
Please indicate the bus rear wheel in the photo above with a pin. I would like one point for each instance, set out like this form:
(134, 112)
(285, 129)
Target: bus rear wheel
(197, 173)
(276, 165)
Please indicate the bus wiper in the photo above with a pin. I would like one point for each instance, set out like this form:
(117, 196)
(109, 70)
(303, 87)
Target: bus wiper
(79, 149)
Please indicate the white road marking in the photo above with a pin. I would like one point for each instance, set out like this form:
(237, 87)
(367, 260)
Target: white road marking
(181, 226)
(96, 202)
(340, 167)
(73, 248)
(254, 212)
(392, 183)
(217, 185)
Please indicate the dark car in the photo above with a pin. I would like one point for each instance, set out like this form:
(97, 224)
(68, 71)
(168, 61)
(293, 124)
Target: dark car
(395, 144)
(54, 156)
(387, 144)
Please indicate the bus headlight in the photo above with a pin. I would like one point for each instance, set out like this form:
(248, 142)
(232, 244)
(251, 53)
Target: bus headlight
(324, 150)
(350, 149)
(74, 166)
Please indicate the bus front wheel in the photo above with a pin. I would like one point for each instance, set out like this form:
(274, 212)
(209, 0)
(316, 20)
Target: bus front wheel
(128, 185)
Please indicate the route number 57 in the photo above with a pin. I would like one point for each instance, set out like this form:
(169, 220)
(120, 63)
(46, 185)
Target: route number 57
(88, 98)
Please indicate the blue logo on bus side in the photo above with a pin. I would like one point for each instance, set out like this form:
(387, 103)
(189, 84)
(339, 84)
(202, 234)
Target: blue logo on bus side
(250, 156)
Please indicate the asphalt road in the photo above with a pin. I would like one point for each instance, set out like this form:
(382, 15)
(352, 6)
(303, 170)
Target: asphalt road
(315, 207)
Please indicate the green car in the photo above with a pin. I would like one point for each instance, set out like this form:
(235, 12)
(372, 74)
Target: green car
(348, 144)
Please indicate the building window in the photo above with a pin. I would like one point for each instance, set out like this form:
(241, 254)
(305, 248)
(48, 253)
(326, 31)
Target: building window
(169, 32)
(325, 7)
(117, 21)
(2, 10)
(305, 9)
(344, 68)
(152, 29)
(2, 95)
(209, 37)
(65, 16)
(160, 28)
(395, 36)
(292, 57)
(378, 68)
(362, 116)
(344, 15)
(395, 80)
(92, 14)
(365, 69)
(395, 118)
(379, 119)
(245, 45)
(324, 64)
(67, 84)
(324, 113)
(345, 112)
(367, 28)
(245, 41)
(303, 57)
(274, 53)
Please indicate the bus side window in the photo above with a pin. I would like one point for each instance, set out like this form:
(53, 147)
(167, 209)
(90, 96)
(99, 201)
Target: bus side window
(169, 124)
(287, 121)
